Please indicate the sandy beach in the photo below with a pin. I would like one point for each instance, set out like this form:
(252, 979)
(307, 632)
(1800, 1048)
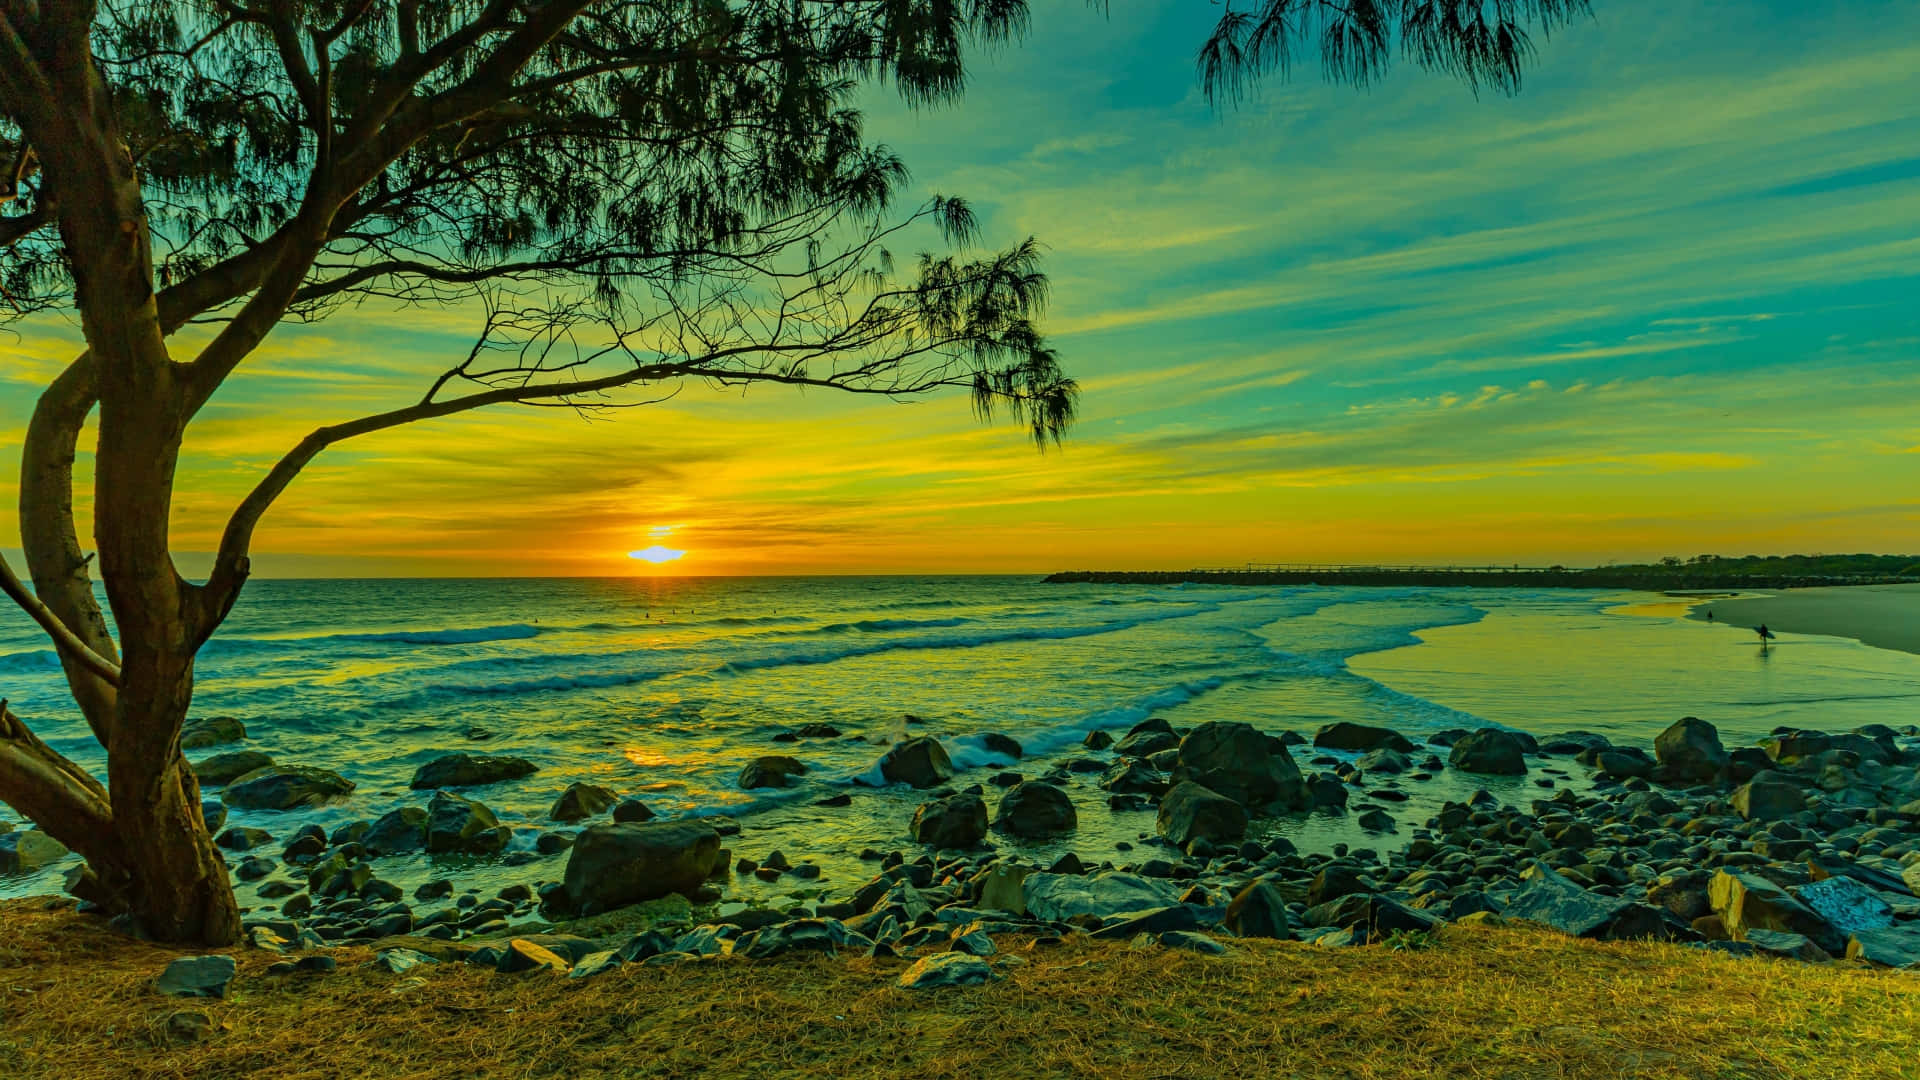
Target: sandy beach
(1886, 616)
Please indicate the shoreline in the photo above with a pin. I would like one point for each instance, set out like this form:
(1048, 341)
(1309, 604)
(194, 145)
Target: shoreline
(1594, 839)
(1883, 616)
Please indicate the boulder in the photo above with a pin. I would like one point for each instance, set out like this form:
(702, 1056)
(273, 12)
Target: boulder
(1489, 750)
(1056, 897)
(1346, 736)
(222, 769)
(522, 955)
(458, 824)
(632, 810)
(470, 770)
(1749, 902)
(205, 731)
(1191, 812)
(1142, 742)
(398, 831)
(1552, 900)
(1847, 905)
(1260, 910)
(945, 969)
(285, 787)
(1894, 947)
(1001, 888)
(582, 801)
(1690, 750)
(1624, 763)
(801, 935)
(770, 771)
(28, 850)
(1004, 745)
(1036, 810)
(958, 821)
(1132, 776)
(920, 763)
(197, 976)
(213, 814)
(1785, 943)
(1790, 747)
(1768, 797)
(1238, 761)
(614, 865)
(1385, 760)
(1370, 914)
(241, 838)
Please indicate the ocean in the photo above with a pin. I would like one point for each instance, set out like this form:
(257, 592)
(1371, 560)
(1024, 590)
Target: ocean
(664, 688)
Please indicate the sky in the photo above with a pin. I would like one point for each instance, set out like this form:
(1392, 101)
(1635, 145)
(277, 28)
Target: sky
(1661, 302)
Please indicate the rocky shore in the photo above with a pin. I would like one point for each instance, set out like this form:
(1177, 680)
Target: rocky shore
(1804, 847)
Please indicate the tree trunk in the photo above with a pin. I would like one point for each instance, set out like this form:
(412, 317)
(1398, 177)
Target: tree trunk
(176, 886)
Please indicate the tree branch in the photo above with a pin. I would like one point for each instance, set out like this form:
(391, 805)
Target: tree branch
(62, 636)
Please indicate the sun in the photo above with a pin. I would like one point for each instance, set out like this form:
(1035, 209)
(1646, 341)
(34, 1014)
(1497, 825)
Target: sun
(656, 554)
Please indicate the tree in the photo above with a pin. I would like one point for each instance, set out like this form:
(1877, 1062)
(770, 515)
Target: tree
(629, 193)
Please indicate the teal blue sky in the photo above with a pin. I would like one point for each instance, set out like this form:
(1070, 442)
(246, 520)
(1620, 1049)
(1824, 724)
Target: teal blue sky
(1662, 301)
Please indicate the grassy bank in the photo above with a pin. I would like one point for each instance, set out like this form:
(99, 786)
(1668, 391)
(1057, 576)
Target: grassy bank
(76, 1003)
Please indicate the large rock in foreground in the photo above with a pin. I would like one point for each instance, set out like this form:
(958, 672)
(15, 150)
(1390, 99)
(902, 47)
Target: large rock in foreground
(285, 787)
(615, 865)
(470, 770)
(1491, 751)
(1190, 812)
(1062, 896)
(1552, 900)
(1750, 902)
(1240, 762)
(956, 822)
(1691, 750)
(1036, 810)
(920, 763)
(197, 976)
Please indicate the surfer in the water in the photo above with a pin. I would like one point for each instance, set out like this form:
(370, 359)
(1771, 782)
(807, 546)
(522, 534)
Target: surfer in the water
(1766, 635)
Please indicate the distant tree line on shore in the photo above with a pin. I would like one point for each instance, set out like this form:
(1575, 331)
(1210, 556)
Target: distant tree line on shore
(1748, 566)
(1671, 573)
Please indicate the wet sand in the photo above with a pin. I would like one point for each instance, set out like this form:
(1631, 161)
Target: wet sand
(1886, 616)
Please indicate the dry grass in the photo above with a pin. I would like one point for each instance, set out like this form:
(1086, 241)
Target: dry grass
(76, 1003)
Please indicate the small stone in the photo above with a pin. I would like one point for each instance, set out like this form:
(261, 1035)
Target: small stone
(1192, 941)
(198, 976)
(945, 969)
(400, 961)
(522, 955)
(189, 1027)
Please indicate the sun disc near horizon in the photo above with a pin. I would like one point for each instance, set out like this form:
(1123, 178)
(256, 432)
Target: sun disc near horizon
(656, 554)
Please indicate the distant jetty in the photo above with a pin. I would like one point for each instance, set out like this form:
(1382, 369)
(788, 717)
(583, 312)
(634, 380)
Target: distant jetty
(1703, 574)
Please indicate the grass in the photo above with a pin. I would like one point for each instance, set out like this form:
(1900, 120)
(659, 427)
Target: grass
(76, 1003)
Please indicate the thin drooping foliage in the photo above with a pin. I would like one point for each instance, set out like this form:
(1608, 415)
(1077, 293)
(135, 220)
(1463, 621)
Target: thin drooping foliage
(1482, 43)
(625, 194)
